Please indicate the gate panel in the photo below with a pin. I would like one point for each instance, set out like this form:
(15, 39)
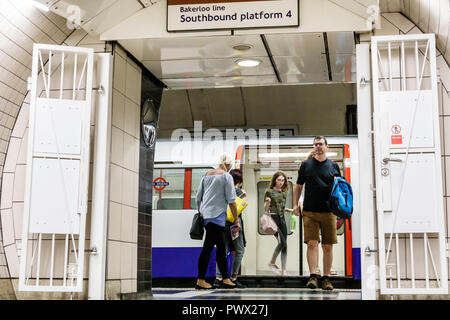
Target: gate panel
(56, 191)
(410, 213)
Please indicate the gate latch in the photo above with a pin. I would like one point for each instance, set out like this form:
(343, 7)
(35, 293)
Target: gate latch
(369, 251)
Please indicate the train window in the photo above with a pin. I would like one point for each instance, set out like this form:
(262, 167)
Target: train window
(262, 187)
(168, 189)
(197, 174)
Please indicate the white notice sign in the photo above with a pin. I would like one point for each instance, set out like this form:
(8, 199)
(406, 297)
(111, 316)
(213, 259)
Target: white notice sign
(191, 15)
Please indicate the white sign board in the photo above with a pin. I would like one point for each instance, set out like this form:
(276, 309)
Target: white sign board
(191, 15)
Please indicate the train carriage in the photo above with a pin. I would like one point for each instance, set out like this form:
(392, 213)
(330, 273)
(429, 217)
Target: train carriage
(179, 167)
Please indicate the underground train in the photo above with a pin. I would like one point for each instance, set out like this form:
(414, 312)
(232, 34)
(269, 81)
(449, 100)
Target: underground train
(178, 169)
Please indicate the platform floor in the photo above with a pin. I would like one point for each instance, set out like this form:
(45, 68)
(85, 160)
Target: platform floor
(255, 294)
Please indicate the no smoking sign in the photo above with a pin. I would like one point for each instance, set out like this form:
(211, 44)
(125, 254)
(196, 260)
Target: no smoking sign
(396, 129)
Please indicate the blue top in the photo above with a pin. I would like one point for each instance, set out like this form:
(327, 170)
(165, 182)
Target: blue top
(214, 194)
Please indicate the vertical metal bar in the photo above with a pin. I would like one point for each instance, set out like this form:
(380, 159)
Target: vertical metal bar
(82, 73)
(423, 64)
(411, 249)
(416, 51)
(49, 72)
(390, 66)
(74, 75)
(66, 250)
(403, 67)
(43, 73)
(425, 239)
(433, 264)
(38, 259)
(383, 74)
(52, 259)
(398, 259)
(61, 81)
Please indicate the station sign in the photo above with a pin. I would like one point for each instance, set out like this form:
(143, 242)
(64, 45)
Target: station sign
(197, 15)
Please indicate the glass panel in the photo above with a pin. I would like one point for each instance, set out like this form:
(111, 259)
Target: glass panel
(261, 187)
(197, 174)
(171, 185)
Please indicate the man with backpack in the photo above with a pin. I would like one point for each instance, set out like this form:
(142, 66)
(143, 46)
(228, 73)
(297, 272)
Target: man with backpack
(318, 173)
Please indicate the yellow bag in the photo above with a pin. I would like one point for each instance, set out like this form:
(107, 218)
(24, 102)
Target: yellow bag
(241, 205)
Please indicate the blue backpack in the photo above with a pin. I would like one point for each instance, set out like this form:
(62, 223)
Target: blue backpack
(341, 199)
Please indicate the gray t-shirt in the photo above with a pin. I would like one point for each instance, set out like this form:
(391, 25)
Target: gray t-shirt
(214, 194)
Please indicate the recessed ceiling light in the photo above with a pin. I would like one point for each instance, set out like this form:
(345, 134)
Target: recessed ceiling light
(242, 47)
(248, 62)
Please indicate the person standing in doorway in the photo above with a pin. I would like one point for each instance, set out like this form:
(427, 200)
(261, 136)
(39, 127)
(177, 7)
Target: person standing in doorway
(275, 204)
(238, 244)
(215, 193)
(317, 174)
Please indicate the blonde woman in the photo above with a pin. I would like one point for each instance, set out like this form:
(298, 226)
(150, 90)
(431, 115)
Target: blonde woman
(215, 193)
(275, 203)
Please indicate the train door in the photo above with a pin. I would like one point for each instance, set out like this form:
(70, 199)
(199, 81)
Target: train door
(260, 246)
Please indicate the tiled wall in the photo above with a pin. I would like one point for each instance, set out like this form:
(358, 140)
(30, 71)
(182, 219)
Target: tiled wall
(122, 236)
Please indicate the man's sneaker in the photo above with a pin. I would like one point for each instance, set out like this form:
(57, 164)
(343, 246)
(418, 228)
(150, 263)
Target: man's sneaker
(326, 284)
(312, 283)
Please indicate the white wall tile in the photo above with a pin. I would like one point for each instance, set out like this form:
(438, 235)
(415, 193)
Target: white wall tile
(22, 121)
(128, 188)
(126, 229)
(130, 117)
(12, 155)
(7, 227)
(114, 220)
(7, 190)
(19, 183)
(113, 260)
(119, 73)
(13, 260)
(131, 88)
(118, 115)
(17, 211)
(445, 103)
(129, 152)
(117, 146)
(399, 20)
(116, 181)
(444, 71)
(125, 260)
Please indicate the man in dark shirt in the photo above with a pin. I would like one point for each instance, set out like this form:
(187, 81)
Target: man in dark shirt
(318, 173)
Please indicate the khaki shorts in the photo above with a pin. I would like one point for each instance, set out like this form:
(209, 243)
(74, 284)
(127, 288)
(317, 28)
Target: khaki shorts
(315, 221)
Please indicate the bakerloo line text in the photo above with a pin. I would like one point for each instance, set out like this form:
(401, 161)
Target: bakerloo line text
(232, 17)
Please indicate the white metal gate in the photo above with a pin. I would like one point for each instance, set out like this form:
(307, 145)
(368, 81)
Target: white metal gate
(410, 213)
(56, 193)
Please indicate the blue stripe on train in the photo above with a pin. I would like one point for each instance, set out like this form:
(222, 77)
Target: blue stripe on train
(182, 262)
(356, 258)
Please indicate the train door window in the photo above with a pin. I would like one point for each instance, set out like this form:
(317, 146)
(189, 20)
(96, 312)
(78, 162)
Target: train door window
(197, 174)
(261, 188)
(168, 189)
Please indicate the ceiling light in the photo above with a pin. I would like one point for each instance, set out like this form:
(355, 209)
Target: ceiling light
(248, 62)
(242, 47)
(36, 4)
(293, 154)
